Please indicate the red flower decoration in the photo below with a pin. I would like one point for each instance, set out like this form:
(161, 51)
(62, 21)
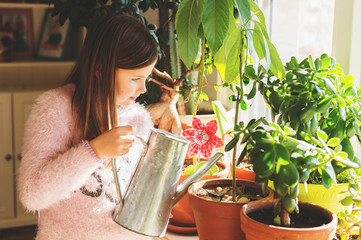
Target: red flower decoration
(202, 137)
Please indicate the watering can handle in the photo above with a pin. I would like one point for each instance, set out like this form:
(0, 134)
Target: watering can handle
(115, 172)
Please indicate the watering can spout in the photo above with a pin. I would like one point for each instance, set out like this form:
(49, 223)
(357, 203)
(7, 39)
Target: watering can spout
(183, 187)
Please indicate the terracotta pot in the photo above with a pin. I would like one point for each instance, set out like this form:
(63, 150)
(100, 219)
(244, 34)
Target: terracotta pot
(218, 220)
(243, 174)
(327, 198)
(182, 214)
(255, 230)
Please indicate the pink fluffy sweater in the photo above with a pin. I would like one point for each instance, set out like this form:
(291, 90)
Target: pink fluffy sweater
(72, 192)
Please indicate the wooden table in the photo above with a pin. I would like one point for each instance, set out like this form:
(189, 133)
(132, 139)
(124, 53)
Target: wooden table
(174, 236)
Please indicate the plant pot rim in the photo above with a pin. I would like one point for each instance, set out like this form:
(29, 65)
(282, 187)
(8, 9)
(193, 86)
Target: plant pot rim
(208, 182)
(321, 185)
(270, 202)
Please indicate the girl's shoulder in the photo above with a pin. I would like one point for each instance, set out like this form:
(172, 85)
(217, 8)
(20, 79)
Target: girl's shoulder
(60, 96)
(55, 102)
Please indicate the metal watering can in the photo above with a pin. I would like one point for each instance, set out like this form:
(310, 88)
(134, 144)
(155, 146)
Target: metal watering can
(153, 189)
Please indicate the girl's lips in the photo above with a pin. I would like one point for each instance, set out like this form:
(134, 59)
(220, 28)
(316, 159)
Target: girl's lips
(132, 98)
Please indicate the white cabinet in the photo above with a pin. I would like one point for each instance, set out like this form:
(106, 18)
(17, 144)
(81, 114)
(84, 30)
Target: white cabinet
(14, 110)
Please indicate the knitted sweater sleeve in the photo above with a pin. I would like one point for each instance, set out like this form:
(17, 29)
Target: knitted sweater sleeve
(52, 167)
(138, 117)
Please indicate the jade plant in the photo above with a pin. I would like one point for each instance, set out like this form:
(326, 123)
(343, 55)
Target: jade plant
(315, 112)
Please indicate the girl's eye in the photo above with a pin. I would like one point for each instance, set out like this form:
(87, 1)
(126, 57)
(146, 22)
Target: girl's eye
(135, 79)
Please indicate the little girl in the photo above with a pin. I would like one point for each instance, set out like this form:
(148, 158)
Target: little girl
(72, 130)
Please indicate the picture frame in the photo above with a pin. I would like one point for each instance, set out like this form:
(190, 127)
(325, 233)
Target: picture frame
(53, 38)
(17, 23)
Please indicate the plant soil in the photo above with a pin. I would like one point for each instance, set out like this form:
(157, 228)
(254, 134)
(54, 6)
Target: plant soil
(223, 193)
(245, 165)
(304, 219)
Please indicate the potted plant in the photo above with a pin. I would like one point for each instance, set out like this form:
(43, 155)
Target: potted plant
(202, 139)
(324, 84)
(316, 108)
(198, 22)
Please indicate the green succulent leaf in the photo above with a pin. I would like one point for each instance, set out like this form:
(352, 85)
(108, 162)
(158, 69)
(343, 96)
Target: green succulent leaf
(328, 175)
(232, 143)
(347, 201)
(189, 170)
(288, 203)
(329, 85)
(322, 135)
(253, 91)
(212, 170)
(333, 142)
(324, 105)
(348, 148)
(308, 112)
(294, 191)
(325, 62)
(282, 154)
(288, 174)
(265, 165)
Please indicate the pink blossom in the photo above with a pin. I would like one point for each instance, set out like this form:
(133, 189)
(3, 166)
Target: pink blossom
(202, 137)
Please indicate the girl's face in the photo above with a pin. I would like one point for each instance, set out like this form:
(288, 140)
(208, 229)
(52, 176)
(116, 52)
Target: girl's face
(130, 83)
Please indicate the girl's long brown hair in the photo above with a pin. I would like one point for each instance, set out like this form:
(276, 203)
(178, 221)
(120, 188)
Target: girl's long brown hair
(116, 41)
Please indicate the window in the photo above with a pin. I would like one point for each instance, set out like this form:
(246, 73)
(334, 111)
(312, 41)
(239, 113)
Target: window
(300, 27)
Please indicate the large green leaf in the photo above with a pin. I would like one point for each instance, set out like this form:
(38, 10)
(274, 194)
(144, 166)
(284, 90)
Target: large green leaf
(227, 58)
(215, 19)
(187, 23)
(260, 42)
(276, 66)
(257, 11)
(244, 9)
(265, 49)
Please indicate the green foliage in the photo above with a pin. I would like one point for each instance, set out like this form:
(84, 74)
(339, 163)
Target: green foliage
(187, 22)
(191, 169)
(316, 110)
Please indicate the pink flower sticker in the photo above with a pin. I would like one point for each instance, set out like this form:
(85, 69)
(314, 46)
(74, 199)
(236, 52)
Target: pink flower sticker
(202, 137)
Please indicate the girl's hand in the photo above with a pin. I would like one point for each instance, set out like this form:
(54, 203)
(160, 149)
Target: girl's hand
(114, 142)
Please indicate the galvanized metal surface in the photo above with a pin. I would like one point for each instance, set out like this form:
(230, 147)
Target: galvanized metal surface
(152, 192)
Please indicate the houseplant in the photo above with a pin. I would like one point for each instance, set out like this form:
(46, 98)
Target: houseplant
(322, 82)
(316, 108)
(231, 51)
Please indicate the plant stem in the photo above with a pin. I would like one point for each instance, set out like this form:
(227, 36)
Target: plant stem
(238, 102)
(201, 77)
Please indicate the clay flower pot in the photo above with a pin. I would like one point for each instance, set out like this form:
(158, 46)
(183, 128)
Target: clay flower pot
(182, 214)
(243, 173)
(327, 198)
(218, 220)
(255, 230)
